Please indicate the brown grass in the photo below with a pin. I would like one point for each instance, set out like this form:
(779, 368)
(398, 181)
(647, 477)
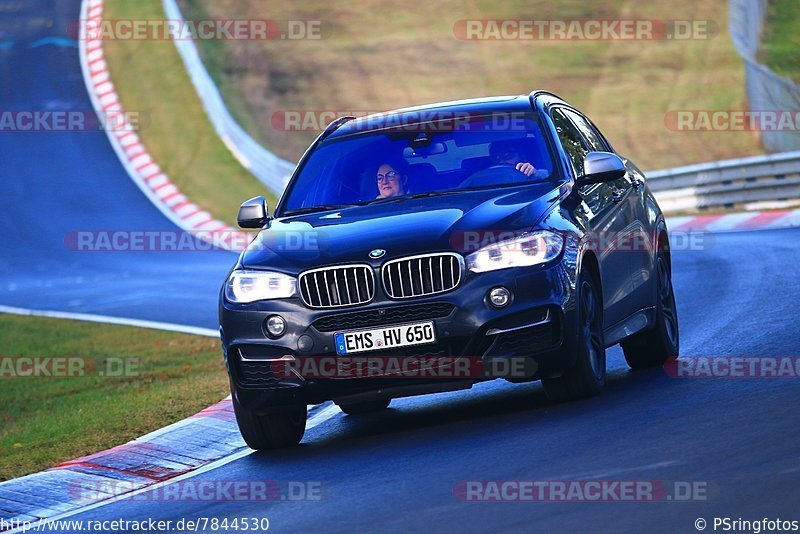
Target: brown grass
(377, 55)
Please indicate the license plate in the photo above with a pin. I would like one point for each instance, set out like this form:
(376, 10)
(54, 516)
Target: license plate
(388, 337)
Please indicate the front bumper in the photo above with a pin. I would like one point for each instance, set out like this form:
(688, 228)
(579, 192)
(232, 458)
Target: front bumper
(530, 338)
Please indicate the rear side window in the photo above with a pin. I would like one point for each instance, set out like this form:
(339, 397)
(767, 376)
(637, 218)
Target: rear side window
(589, 133)
(571, 140)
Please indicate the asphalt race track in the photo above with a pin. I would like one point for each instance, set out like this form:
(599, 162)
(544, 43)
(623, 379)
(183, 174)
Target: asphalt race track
(398, 471)
(55, 184)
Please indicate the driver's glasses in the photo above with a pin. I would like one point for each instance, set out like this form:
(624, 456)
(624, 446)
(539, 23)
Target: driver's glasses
(390, 176)
(507, 157)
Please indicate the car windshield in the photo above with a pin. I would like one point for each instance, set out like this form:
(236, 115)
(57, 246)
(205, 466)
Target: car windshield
(420, 160)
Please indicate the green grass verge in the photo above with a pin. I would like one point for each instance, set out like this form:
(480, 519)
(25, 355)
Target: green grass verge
(379, 55)
(780, 43)
(47, 420)
(151, 79)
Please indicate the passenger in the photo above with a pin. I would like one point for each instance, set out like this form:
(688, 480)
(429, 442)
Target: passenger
(391, 181)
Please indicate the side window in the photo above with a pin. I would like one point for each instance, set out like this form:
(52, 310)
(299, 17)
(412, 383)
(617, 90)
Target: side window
(589, 133)
(571, 140)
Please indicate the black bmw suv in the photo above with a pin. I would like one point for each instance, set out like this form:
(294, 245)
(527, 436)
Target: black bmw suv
(429, 248)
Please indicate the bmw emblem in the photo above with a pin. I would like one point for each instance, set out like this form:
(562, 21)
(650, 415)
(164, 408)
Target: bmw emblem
(377, 253)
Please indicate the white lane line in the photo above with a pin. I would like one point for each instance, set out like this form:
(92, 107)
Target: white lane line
(171, 327)
(322, 416)
(316, 420)
(622, 470)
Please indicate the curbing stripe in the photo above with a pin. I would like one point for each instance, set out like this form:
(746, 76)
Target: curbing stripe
(196, 445)
(736, 222)
(128, 146)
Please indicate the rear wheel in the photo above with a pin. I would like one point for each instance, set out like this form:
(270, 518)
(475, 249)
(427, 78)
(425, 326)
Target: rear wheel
(588, 376)
(662, 342)
(357, 408)
(271, 430)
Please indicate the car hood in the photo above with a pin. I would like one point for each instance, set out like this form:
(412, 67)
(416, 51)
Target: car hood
(458, 222)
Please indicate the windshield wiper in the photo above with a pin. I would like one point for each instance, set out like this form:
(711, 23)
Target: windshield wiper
(406, 197)
(312, 209)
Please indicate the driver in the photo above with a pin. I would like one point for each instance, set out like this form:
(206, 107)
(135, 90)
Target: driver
(507, 153)
(392, 182)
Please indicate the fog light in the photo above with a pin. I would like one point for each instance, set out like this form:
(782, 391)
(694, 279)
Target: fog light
(499, 297)
(305, 343)
(276, 326)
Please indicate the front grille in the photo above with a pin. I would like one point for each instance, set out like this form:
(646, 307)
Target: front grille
(383, 316)
(343, 285)
(252, 366)
(418, 276)
(258, 374)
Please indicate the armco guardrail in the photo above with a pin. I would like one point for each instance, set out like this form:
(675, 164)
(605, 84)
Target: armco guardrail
(273, 171)
(756, 182)
(766, 90)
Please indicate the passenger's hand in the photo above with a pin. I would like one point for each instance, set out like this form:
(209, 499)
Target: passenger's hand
(525, 168)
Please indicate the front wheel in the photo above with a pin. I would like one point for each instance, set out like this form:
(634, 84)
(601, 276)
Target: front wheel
(588, 375)
(271, 430)
(662, 342)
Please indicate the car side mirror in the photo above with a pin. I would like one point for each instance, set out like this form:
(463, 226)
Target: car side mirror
(601, 167)
(253, 213)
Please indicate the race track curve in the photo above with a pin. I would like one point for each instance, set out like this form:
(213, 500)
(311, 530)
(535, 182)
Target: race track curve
(396, 471)
(55, 184)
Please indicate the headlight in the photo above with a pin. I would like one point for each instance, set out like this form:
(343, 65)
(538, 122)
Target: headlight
(248, 286)
(529, 249)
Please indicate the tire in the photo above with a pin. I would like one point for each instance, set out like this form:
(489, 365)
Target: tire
(587, 377)
(272, 430)
(358, 408)
(662, 342)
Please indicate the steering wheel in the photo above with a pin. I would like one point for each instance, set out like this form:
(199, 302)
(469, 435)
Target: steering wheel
(496, 174)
